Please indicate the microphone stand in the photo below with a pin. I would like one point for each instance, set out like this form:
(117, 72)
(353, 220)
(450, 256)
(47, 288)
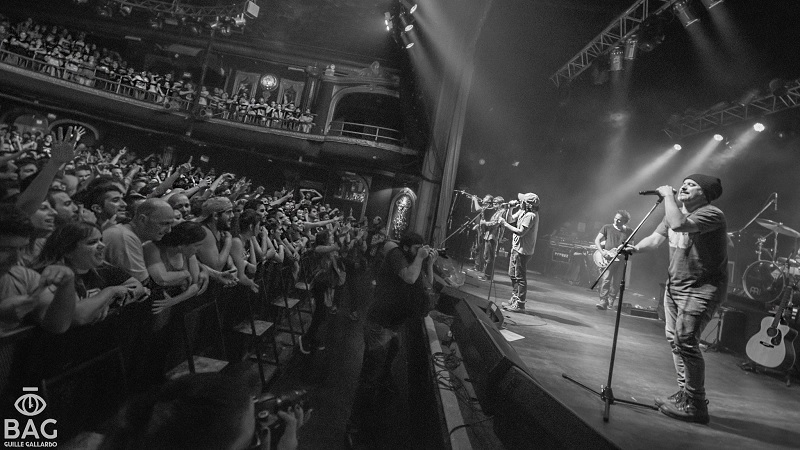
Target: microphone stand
(606, 393)
(500, 234)
(738, 233)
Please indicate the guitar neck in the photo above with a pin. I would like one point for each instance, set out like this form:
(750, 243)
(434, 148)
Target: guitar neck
(787, 295)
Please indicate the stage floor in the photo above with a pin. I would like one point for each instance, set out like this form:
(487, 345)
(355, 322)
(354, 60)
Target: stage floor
(563, 333)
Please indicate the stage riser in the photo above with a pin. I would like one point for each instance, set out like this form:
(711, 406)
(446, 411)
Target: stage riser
(524, 412)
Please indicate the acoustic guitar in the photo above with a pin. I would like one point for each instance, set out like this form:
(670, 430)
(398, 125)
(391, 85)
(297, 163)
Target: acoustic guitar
(773, 345)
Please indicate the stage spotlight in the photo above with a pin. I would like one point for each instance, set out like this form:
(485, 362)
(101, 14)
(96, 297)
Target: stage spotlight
(406, 22)
(193, 28)
(125, 10)
(758, 126)
(216, 24)
(615, 59)
(778, 87)
(409, 6)
(156, 22)
(239, 21)
(677, 146)
(225, 30)
(407, 44)
(718, 137)
(711, 3)
(630, 47)
(105, 11)
(684, 13)
(387, 20)
(651, 33)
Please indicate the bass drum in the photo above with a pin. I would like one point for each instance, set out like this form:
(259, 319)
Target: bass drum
(763, 281)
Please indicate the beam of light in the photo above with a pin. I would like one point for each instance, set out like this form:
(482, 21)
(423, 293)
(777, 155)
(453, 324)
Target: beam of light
(700, 158)
(638, 181)
(734, 149)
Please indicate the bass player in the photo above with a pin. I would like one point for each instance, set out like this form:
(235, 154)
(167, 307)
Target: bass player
(610, 237)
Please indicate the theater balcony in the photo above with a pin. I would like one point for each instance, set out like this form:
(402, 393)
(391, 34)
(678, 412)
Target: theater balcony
(356, 121)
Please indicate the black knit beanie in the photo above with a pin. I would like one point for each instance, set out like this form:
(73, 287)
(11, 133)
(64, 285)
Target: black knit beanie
(711, 186)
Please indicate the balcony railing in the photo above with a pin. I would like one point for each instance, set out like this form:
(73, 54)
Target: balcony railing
(112, 83)
(365, 132)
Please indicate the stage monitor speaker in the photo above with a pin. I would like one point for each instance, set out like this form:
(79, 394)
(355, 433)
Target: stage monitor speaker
(486, 354)
(532, 415)
(450, 295)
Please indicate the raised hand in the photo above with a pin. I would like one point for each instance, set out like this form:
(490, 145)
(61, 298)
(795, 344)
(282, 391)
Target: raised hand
(63, 149)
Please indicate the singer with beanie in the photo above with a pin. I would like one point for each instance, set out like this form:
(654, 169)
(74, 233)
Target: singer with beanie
(697, 284)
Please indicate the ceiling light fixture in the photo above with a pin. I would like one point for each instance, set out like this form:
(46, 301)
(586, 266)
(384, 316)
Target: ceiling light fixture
(630, 47)
(406, 22)
(711, 3)
(410, 7)
(684, 13)
(615, 59)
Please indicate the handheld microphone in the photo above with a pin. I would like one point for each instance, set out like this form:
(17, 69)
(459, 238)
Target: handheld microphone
(654, 192)
(776, 201)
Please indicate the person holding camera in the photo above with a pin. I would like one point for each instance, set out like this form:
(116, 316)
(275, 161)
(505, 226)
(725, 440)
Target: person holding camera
(400, 294)
(204, 411)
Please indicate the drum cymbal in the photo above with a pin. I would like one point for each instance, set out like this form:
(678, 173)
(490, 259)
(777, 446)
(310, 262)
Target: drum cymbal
(778, 228)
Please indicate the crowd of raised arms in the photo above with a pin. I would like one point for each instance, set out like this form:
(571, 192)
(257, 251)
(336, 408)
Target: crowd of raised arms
(88, 233)
(75, 56)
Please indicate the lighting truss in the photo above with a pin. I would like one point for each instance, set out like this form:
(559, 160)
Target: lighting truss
(614, 35)
(694, 124)
(190, 11)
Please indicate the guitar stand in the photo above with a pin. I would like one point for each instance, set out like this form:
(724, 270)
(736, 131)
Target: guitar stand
(750, 366)
(606, 393)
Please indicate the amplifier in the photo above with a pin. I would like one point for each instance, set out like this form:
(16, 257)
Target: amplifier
(562, 254)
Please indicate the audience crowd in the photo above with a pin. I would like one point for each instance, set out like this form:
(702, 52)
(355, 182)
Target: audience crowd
(75, 56)
(104, 248)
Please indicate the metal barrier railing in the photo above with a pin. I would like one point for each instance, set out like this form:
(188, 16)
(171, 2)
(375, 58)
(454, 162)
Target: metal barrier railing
(365, 132)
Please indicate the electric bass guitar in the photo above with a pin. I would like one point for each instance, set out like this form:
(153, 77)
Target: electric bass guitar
(773, 345)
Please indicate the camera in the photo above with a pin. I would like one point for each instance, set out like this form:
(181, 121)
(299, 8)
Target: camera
(266, 411)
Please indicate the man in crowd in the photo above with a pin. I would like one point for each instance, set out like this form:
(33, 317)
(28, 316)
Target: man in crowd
(526, 228)
(696, 286)
(610, 237)
(106, 201)
(153, 219)
(400, 294)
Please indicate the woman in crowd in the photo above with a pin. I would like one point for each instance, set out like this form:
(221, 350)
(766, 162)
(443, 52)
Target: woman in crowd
(327, 274)
(100, 287)
(243, 249)
(173, 267)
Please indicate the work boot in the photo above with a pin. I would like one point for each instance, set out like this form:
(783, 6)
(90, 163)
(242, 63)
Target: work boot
(688, 410)
(674, 398)
(514, 306)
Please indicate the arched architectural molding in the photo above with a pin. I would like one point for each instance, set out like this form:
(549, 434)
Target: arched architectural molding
(402, 209)
(340, 93)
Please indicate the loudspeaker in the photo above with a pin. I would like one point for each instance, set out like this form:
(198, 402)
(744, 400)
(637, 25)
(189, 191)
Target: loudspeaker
(486, 354)
(449, 297)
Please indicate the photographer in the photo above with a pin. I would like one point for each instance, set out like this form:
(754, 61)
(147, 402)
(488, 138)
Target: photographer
(400, 294)
(199, 411)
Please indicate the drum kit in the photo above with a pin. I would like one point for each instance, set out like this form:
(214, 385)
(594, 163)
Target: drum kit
(764, 279)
